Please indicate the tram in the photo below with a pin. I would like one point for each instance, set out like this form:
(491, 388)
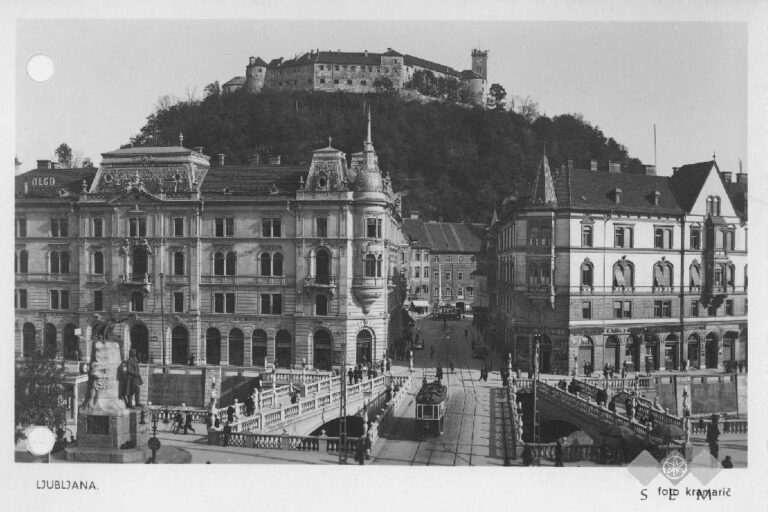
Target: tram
(430, 409)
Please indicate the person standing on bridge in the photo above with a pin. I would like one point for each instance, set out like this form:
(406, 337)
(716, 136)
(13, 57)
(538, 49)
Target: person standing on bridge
(450, 364)
(439, 372)
(350, 375)
(559, 453)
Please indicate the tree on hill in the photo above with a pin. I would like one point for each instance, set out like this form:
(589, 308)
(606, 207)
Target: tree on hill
(456, 161)
(496, 97)
(64, 154)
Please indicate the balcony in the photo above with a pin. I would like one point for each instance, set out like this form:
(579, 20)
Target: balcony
(321, 283)
(367, 290)
(135, 280)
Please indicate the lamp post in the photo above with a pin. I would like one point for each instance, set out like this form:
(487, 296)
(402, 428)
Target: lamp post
(535, 396)
(342, 399)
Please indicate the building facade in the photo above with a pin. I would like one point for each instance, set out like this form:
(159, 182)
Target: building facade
(609, 267)
(443, 260)
(358, 72)
(234, 265)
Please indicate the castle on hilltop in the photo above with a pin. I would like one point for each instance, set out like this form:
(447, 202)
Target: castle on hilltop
(358, 72)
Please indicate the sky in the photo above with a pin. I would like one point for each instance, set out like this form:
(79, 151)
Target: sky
(688, 78)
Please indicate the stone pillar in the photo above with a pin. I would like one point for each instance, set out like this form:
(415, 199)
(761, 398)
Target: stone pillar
(225, 349)
(247, 350)
(271, 349)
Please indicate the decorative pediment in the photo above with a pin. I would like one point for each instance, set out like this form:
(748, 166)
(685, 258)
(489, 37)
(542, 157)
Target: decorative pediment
(135, 195)
(153, 179)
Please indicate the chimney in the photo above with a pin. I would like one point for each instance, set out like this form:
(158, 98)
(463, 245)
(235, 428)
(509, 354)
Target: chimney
(741, 177)
(199, 149)
(674, 170)
(251, 61)
(593, 165)
(221, 159)
(414, 214)
(726, 176)
(614, 167)
(44, 164)
(274, 160)
(570, 164)
(650, 170)
(366, 53)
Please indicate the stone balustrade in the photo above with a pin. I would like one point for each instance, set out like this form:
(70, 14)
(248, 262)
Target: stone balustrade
(739, 426)
(578, 453)
(644, 408)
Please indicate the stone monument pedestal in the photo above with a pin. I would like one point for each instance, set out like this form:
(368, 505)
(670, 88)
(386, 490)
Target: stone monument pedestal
(117, 438)
(108, 431)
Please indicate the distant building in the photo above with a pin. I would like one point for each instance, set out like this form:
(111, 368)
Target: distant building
(357, 72)
(238, 265)
(610, 267)
(443, 258)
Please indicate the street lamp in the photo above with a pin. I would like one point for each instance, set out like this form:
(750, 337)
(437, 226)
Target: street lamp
(162, 321)
(536, 337)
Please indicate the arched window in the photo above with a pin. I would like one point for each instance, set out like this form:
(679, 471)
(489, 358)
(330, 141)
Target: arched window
(179, 345)
(64, 262)
(720, 239)
(283, 353)
(730, 272)
(277, 264)
(323, 266)
(448, 291)
(236, 347)
(695, 275)
(322, 350)
(370, 265)
(98, 262)
(623, 274)
(178, 263)
(49, 337)
(266, 264)
(716, 206)
(586, 274)
(662, 275)
(364, 343)
(730, 240)
(28, 333)
(460, 292)
(710, 210)
(231, 264)
(23, 262)
(218, 264)
(140, 260)
(321, 305)
(54, 263)
(71, 344)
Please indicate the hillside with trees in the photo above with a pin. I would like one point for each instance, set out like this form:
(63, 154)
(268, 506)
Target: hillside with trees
(456, 162)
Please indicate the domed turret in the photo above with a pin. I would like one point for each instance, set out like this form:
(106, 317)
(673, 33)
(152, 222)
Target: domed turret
(365, 167)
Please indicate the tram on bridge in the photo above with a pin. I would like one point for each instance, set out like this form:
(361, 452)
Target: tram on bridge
(431, 401)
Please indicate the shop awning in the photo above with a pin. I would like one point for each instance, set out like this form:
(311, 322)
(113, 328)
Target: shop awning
(420, 304)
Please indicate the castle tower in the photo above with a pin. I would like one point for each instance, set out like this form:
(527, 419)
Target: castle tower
(480, 62)
(255, 72)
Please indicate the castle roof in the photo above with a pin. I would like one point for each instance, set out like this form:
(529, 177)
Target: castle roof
(238, 80)
(468, 74)
(410, 60)
(259, 62)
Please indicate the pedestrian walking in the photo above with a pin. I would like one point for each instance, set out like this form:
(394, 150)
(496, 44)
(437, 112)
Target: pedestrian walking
(188, 423)
(178, 422)
(482, 372)
(350, 375)
(450, 364)
(624, 370)
(227, 434)
(231, 412)
(368, 444)
(559, 453)
(713, 435)
(612, 404)
(431, 351)
(439, 372)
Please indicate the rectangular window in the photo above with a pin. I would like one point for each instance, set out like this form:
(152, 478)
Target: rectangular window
(98, 227)
(417, 272)
(470, 291)
(271, 228)
(657, 309)
(417, 256)
(59, 227)
(178, 226)
(447, 259)
(586, 310)
(21, 228)
(622, 309)
(436, 258)
(447, 275)
(224, 303)
(322, 227)
(694, 308)
(666, 309)
(59, 299)
(21, 298)
(224, 227)
(137, 226)
(271, 304)
(178, 302)
(349, 82)
(437, 276)
(461, 276)
(98, 300)
(695, 239)
(336, 81)
(623, 237)
(322, 80)
(627, 309)
(426, 272)
(662, 238)
(363, 82)
(373, 228)
(617, 309)
(218, 302)
(229, 302)
(712, 310)
(729, 307)
(586, 236)
(321, 67)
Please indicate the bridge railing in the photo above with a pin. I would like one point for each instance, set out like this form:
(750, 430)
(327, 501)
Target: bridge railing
(592, 453)
(282, 442)
(739, 426)
(592, 410)
(645, 408)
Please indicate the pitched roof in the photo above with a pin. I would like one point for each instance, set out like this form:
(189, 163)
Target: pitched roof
(688, 180)
(259, 62)
(252, 180)
(238, 80)
(392, 53)
(150, 150)
(594, 190)
(70, 180)
(410, 60)
(445, 237)
(737, 192)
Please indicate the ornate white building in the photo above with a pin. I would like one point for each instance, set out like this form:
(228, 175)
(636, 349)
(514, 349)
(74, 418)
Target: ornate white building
(236, 265)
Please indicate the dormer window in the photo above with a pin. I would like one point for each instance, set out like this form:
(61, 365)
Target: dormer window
(656, 197)
(617, 195)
